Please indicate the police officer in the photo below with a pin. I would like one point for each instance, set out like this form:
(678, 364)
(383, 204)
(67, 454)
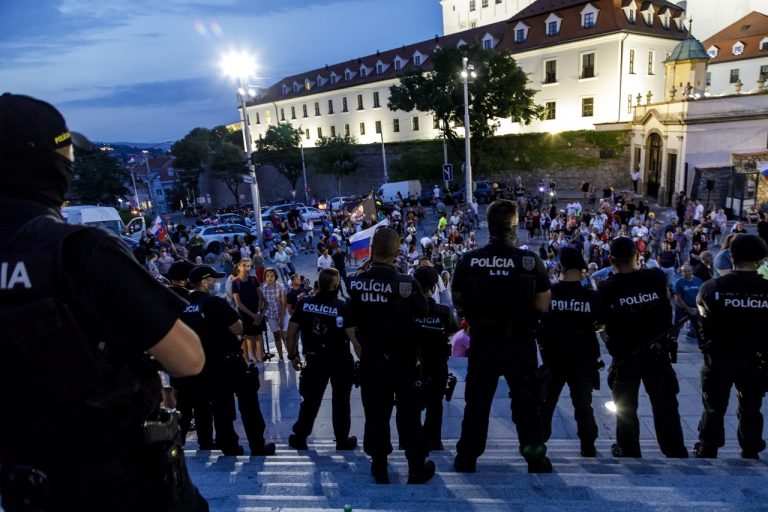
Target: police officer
(384, 304)
(735, 353)
(638, 318)
(326, 329)
(435, 328)
(501, 290)
(569, 348)
(73, 436)
(226, 373)
(192, 398)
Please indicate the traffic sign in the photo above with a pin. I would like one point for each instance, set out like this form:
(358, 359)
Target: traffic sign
(249, 179)
(447, 172)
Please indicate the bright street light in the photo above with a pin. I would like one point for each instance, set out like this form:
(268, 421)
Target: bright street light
(467, 73)
(242, 66)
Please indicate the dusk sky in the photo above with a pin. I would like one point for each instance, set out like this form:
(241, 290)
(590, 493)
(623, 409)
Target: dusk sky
(148, 71)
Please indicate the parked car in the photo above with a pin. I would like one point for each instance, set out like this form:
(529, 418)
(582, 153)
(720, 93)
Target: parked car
(230, 218)
(335, 203)
(217, 233)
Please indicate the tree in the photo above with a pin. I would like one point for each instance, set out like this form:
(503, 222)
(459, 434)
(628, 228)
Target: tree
(280, 148)
(336, 156)
(228, 165)
(192, 154)
(98, 178)
(498, 92)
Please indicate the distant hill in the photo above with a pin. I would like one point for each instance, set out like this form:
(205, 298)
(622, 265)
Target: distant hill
(162, 146)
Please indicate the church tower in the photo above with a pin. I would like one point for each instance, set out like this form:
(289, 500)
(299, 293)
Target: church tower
(686, 70)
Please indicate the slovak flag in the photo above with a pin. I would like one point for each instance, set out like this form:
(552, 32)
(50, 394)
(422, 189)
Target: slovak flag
(360, 242)
(158, 229)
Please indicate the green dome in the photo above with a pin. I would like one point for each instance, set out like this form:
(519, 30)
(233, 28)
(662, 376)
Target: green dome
(688, 49)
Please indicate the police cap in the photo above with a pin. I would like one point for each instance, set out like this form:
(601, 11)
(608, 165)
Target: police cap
(571, 258)
(200, 272)
(179, 270)
(427, 277)
(623, 248)
(748, 248)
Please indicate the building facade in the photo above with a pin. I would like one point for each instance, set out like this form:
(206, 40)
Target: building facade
(460, 15)
(738, 56)
(589, 60)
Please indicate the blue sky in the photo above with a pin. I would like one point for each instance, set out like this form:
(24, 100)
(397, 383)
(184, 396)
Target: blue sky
(148, 71)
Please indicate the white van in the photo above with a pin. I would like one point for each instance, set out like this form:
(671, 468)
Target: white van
(102, 216)
(388, 191)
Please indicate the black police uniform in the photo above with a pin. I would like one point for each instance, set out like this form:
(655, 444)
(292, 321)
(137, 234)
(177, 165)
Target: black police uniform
(192, 399)
(638, 311)
(496, 286)
(75, 325)
(226, 374)
(570, 350)
(322, 320)
(735, 351)
(383, 304)
(435, 327)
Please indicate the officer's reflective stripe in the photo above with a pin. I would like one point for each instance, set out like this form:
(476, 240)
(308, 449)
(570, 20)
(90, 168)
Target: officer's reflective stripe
(17, 275)
(370, 286)
(746, 302)
(320, 309)
(570, 305)
(640, 298)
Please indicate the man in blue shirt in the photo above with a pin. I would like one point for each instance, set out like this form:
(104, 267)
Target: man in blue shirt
(685, 291)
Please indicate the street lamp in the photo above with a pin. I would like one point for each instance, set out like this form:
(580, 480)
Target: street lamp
(240, 65)
(467, 73)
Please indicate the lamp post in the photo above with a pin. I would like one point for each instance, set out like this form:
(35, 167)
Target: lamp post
(467, 72)
(240, 65)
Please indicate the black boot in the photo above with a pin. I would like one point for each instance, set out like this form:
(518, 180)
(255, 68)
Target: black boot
(540, 465)
(297, 443)
(464, 465)
(266, 449)
(379, 470)
(350, 443)
(700, 451)
(588, 449)
(421, 473)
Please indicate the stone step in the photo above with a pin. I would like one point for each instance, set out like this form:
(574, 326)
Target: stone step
(323, 479)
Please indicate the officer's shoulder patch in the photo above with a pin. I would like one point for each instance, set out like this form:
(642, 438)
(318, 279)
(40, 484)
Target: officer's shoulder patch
(529, 263)
(405, 289)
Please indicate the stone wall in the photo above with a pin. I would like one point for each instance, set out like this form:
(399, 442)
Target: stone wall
(370, 175)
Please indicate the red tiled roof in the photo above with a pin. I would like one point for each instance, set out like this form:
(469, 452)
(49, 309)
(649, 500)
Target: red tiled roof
(750, 30)
(406, 52)
(610, 19)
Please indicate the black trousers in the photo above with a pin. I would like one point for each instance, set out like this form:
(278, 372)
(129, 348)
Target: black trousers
(231, 376)
(193, 399)
(484, 369)
(660, 382)
(327, 366)
(580, 380)
(386, 383)
(716, 382)
(436, 369)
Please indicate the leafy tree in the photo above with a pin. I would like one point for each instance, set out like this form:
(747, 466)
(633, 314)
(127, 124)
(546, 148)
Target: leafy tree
(98, 178)
(498, 92)
(336, 156)
(280, 148)
(228, 165)
(192, 153)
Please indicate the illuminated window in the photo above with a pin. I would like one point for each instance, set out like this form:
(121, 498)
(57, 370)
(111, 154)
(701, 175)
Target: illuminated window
(550, 71)
(551, 109)
(588, 65)
(268, 117)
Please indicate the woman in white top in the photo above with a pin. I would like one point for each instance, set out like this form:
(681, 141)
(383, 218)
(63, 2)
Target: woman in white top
(282, 259)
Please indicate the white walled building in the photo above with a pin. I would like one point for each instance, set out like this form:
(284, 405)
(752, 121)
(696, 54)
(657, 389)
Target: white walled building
(589, 60)
(459, 15)
(738, 56)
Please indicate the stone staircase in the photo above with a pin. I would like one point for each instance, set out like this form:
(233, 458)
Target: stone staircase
(323, 479)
